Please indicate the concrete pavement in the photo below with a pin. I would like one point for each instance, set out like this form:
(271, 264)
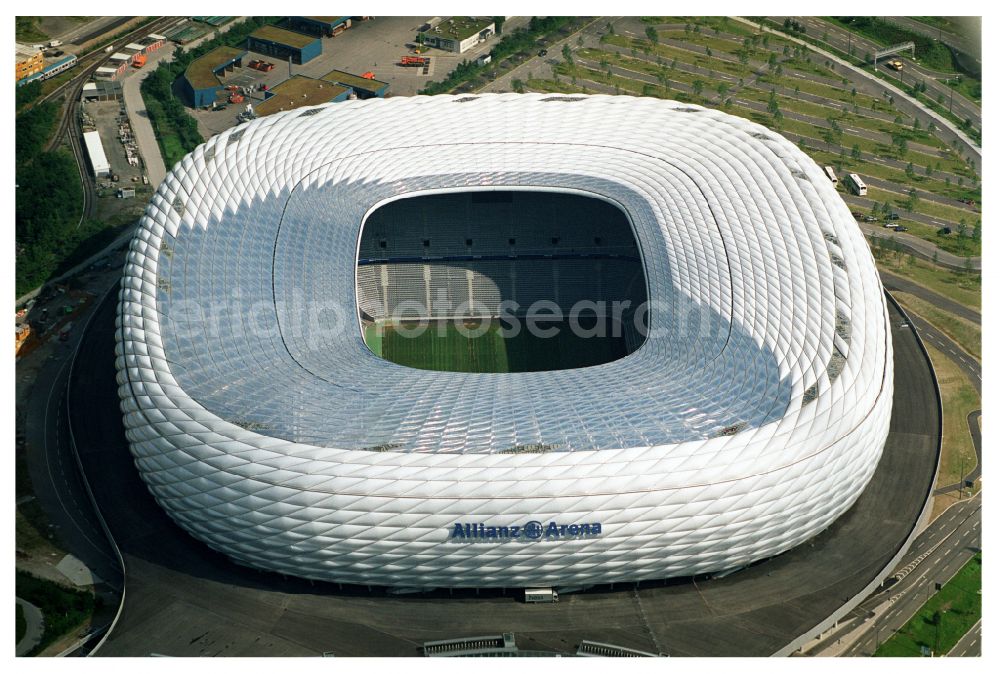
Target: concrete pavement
(841, 38)
(971, 645)
(895, 282)
(922, 248)
(185, 599)
(937, 554)
(903, 100)
(971, 45)
(35, 627)
(145, 137)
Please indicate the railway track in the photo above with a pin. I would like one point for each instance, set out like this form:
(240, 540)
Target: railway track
(69, 123)
(90, 62)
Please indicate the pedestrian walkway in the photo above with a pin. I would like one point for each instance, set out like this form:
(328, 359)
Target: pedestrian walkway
(35, 627)
(145, 137)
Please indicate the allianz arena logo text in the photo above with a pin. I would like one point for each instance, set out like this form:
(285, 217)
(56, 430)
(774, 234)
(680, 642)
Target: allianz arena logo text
(530, 531)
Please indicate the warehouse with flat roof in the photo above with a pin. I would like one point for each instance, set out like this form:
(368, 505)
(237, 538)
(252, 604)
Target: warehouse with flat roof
(281, 43)
(299, 92)
(95, 153)
(320, 26)
(363, 87)
(459, 33)
(202, 81)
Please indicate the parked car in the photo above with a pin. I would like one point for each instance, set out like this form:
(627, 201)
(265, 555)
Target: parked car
(857, 216)
(869, 218)
(901, 228)
(543, 52)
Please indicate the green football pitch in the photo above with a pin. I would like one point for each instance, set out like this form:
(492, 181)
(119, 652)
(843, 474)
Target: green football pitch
(485, 346)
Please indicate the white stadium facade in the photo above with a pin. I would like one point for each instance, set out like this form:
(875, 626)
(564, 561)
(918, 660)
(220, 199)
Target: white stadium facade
(750, 418)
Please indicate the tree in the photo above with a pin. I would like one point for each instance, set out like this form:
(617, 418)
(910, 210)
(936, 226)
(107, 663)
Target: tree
(856, 152)
(722, 89)
(912, 200)
(567, 54)
(518, 86)
(909, 170)
(697, 87)
(611, 28)
(653, 36)
(498, 24)
(772, 102)
(708, 51)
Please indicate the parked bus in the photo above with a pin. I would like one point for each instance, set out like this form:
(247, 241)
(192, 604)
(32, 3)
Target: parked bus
(857, 185)
(830, 174)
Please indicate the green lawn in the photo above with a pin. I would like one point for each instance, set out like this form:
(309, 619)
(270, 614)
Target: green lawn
(482, 346)
(944, 619)
(26, 29)
(965, 333)
(966, 289)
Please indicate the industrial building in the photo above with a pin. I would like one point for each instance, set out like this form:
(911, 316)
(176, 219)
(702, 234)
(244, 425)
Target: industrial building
(120, 61)
(28, 61)
(459, 33)
(131, 54)
(319, 26)
(284, 44)
(202, 79)
(752, 418)
(362, 86)
(101, 90)
(106, 73)
(95, 153)
(298, 92)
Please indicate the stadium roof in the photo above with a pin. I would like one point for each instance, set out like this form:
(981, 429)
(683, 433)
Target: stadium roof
(751, 418)
(731, 221)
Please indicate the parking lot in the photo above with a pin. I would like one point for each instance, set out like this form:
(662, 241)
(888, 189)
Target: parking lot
(367, 46)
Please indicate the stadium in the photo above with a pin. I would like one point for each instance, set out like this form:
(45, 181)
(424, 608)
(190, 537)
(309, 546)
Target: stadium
(717, 391)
